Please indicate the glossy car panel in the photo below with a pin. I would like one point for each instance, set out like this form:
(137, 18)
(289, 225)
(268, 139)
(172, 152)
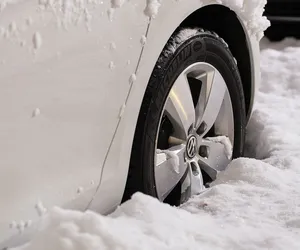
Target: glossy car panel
(60, 103)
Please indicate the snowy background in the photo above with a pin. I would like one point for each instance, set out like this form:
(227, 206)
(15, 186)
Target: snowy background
(254, 204)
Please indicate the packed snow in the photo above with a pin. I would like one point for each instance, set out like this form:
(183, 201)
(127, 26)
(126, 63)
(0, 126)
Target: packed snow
(225, 141)
(254, 204)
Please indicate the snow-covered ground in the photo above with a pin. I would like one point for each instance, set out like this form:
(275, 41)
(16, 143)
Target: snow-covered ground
(254, 204)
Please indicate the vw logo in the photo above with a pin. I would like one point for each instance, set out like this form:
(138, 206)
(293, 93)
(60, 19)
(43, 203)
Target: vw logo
(191, 147)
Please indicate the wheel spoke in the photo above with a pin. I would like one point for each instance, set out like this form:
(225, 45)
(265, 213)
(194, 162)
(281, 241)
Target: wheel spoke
(169, 169)
(210, 100)
(218, 155)
(196, 177)
(180, 107)
(193, 181)
(224, 124)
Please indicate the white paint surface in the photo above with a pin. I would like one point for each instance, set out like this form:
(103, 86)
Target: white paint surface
(59, 106)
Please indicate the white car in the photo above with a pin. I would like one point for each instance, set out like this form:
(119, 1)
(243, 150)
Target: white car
(101, 99)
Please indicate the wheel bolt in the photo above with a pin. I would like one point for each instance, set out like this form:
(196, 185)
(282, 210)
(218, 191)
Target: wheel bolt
(203, 151)
(202, 128)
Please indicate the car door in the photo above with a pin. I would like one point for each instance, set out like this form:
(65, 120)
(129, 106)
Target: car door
(65, 72)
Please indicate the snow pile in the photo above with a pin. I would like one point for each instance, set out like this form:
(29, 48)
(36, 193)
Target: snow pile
(251, 13)
(254, 204)
(171, 156)
(225, 141)
(152, 8)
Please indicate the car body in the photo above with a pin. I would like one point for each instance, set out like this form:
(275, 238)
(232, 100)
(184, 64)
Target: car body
(285, 19)
(72, 84)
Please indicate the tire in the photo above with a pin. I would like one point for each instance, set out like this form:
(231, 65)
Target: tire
(199, 46)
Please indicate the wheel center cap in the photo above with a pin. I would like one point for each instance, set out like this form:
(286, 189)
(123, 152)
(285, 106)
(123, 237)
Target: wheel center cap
(191, 147)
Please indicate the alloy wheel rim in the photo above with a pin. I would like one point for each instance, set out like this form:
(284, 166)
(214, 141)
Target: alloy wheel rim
(196, 132)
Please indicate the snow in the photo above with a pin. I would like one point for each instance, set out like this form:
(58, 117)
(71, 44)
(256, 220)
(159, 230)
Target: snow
(36, 112)
(111, 65)
(170, 156)
(110, 14)
(12, 27)
(4, 3)
(132, 78)
(37, 40)
(80, 190)
(226, 143)
(29, 21)
(122, 110)
(69, 12)
(13, 224)
(117, 3)
(112, 46)
(41, 210)
(182, 36)
(251, 12)
(143, 40)
(22, 43)
(152, 8)
(28, 223)
(21, 226)
(253, 204)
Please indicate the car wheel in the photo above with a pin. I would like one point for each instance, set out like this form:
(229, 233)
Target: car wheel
(192, 120)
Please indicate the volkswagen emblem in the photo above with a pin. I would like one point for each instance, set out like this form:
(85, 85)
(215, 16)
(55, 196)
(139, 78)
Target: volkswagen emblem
(191, 147)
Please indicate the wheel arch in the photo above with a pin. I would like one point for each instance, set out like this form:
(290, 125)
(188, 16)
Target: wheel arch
(229, 27)
(165, 24)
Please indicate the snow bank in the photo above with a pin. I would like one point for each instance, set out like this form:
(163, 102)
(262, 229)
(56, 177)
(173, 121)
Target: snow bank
(254, 204)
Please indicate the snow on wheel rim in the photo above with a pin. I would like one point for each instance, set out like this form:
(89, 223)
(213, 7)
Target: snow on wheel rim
(188, 147)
